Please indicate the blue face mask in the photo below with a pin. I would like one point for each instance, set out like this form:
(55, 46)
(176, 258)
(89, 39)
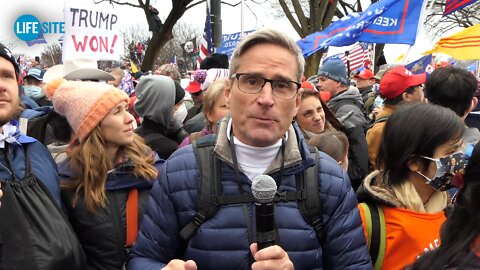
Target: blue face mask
(447, 168)
(33, 91)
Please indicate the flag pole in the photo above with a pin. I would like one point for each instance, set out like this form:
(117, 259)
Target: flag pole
(478, 69)
(406, 55)
(372, 56)
(241, 19)
(347, 53)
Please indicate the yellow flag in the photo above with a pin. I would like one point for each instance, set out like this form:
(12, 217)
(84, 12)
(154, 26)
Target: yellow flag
(399, 58)
(464, 45)
(133, 66)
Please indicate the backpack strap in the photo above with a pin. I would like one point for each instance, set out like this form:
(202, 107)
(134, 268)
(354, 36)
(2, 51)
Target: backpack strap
(209, 199)
(311, 206)
(131, 217)
(381, 119)
(378, 120)
(209, 182)
(376, 232)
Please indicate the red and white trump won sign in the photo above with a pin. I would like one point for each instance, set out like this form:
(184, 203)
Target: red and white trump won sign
(92, 33)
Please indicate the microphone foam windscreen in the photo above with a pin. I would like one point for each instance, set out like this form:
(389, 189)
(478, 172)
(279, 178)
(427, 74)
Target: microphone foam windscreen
(264, 187)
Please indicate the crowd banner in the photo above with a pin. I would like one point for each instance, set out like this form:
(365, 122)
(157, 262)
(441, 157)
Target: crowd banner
(386, 21)
(230, 41)
(92, 33)
(422, 65)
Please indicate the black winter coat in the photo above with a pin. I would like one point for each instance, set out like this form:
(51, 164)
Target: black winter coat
(161, 139)
(103, 233)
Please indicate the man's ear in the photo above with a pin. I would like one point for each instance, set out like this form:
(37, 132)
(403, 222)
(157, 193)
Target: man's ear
(228, 88)
(298, 101)
(472, 106)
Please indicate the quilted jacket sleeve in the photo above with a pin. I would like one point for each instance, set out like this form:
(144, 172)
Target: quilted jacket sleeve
(157, 241)
(344, 244)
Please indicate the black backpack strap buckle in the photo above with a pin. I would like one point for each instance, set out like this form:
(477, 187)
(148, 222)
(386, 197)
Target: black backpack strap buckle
(199, 218)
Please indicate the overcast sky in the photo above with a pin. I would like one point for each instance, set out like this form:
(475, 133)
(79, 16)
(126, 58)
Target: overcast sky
(52, 10)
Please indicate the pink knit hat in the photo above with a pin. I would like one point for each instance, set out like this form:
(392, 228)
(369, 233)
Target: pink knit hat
(84, 104)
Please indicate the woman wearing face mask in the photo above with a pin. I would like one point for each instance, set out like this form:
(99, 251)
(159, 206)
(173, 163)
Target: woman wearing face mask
(159, 103)
(109, 171)
(460, 234)
(419, 154)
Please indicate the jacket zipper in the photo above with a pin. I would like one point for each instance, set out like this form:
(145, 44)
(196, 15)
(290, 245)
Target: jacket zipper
(118, 227)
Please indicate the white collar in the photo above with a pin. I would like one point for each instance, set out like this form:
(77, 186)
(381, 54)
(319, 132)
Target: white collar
(8, 130)
(229, 131)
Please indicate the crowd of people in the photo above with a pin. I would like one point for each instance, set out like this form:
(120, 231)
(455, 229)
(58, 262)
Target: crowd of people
(121, 170)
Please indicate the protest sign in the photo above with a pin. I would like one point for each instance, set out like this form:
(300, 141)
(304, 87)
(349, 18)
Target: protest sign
(230, 41)
(92, 33)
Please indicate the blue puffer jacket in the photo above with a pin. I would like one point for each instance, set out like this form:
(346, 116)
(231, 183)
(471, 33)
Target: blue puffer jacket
(223, 241)
(42, 164)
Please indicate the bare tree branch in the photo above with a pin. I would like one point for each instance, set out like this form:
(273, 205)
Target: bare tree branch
(232, 5)
(290, 17)
(359, 6)
(437, 24)
(118, 3)
(259, 3)
(300, 15)
(195, 4)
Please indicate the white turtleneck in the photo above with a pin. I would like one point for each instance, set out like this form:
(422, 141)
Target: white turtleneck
(252, 160)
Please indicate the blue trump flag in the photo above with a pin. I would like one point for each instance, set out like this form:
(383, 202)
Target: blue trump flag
(396, 25)
(421, 65)
(386, 21)
(337, 56)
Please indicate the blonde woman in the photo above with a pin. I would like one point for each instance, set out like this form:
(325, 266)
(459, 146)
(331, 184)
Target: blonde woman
(108, 173)
(214, 107)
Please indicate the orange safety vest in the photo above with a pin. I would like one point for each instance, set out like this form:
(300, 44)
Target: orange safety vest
(408, 235)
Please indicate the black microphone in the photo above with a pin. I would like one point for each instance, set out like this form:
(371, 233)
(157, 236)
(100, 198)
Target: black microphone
(263, 190)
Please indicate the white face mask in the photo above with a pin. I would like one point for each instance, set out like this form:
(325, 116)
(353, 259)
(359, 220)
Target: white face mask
(181, 113)
(33, 91)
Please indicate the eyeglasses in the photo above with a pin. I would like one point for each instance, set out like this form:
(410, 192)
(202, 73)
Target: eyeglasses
(252, 84)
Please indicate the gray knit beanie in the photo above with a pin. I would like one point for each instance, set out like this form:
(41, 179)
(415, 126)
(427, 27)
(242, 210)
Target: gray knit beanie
(335, 70)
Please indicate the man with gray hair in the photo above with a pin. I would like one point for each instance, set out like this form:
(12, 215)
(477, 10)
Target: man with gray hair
(259, 139)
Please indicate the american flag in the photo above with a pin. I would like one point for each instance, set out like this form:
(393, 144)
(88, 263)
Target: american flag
(359, 56)
(454, 5)
(205, 46)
